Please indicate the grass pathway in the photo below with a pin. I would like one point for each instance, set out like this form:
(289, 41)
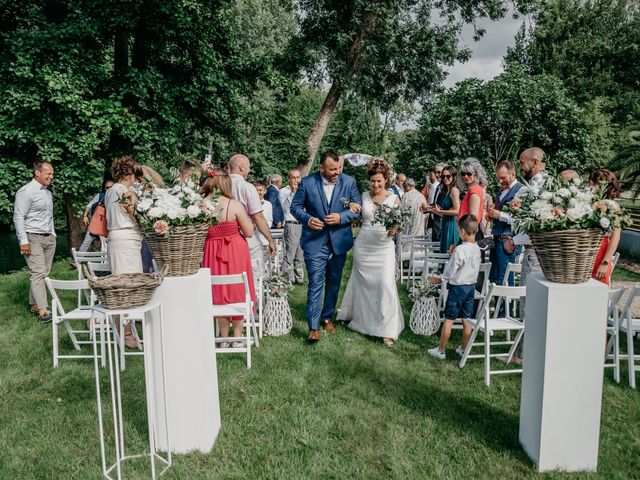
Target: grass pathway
(344, 408)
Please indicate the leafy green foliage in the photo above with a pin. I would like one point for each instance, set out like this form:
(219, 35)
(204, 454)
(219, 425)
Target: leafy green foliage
(494, 120)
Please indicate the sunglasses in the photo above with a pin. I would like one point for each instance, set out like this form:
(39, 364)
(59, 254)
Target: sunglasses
(467, 174)
(446, 176)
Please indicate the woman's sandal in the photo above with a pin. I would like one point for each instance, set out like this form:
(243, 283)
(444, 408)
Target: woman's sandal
(389, 343)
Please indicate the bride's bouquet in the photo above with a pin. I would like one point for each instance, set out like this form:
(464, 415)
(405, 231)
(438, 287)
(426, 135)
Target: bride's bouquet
(391, 217)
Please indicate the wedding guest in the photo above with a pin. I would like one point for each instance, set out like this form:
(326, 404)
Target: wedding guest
(246, 194)
(428, 182)
(603, 266)
(89, 238)
(398, 185)
(447, 208)
(226, 251)
(504, 251)
(124, 240)
(415, 202)
(435, 190)
(533, 170)
(190, 169)
(570, 176)
(273, 196)
(293, 261)
(460, 273)
(33, 220)
(267, 211)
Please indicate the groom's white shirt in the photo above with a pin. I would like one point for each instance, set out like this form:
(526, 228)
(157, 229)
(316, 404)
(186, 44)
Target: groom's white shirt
(328, 188)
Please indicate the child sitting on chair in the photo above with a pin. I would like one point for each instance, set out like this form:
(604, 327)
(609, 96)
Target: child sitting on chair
(461, 274)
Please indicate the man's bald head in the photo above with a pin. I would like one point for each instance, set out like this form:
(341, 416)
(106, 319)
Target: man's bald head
(531, 162)
(239, 164)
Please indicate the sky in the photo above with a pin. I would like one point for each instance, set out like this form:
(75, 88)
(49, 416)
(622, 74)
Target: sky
(486, 59)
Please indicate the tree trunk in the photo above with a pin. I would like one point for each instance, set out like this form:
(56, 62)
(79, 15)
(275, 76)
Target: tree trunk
(75, 228)
(354, 59)
(320, 127)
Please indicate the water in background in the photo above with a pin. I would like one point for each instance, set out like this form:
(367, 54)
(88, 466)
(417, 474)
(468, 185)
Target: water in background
(10, 258)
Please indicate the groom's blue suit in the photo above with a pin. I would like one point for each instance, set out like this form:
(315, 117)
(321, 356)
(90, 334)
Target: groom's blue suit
(325, 251)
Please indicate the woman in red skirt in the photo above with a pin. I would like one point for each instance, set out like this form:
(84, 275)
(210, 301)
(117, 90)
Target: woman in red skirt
(226, 251)
(603, 266)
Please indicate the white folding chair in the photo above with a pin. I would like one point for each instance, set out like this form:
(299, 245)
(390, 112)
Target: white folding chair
(485, 270)
(241, 309)
(257, 265)
(275, 262)
(516, 269)
(103, 244)
(613, 330)
(630, 325)
(81, 258)
(404, 255)
(81, 313)
(490, 325)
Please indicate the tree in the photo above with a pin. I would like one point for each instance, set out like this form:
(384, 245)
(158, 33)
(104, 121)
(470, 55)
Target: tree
(626, 162)
(494, 120)
(383, 51)
(82, 82)
(592, 45)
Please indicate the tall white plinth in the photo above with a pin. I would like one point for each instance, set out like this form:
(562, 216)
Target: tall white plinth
(190, 369)
(563, 374)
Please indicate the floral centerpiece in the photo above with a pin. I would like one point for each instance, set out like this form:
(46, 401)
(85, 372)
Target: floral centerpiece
(277, 314)
(174, 221)
(391, 217)
(424, 318)
(565, 223)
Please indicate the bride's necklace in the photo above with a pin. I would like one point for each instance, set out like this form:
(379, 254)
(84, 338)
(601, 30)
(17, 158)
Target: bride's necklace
(378, 198)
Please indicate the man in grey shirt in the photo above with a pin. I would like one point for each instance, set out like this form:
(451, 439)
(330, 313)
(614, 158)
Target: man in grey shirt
(33, 220)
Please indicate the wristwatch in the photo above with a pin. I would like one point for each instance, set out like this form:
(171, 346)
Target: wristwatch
(605, 262)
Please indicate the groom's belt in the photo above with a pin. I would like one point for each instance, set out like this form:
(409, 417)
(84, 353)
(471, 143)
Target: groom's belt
(293, 222)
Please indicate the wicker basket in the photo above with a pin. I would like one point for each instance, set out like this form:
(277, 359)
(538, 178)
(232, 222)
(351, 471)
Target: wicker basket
(128, 290)
(181, 250)
(277, 316)
(567, 256)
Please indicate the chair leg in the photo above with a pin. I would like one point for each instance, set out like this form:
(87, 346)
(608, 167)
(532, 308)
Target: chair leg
(616, 357)
(516, 342)
(54, 331)
(248, 333)
(630, 353)
(467, 350)
(487, 356)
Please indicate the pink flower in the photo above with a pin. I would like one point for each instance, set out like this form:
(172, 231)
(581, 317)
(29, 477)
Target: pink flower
(516, 203)
(161, 227)
(558, 211)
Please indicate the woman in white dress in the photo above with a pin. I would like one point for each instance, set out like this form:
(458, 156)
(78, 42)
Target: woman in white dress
(371, 299)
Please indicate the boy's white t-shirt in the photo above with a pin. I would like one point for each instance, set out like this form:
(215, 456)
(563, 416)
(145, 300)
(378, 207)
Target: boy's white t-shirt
(464, 265)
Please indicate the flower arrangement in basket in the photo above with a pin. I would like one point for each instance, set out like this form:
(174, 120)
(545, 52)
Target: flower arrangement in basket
(174, 221)
(565, 223)
(391, 217)
(277, 314)
(424, 318)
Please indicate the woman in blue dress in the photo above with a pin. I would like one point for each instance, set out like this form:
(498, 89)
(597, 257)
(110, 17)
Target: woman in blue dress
(447, 205)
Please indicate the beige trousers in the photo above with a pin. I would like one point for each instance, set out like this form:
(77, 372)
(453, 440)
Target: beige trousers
(43, 249)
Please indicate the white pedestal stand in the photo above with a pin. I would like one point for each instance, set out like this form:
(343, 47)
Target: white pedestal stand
(191, 372)
(562, 380)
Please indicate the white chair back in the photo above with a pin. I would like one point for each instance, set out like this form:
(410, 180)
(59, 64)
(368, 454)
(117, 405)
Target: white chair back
(613, 331)
(630, 325)
(516, 269)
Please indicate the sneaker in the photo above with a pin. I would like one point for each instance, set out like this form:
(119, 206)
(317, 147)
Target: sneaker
(460, 351)
(224, 345)
(435, 352)
(237, 345)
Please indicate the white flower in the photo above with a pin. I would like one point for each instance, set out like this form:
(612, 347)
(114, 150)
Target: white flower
(155, 212)
(540, 205)
(605, 222)
(194, 197)
(575, 213)
(193, 211)
(182, 213)
(585, 196)
(573, 189)
(546, 195)
(546, 214)
(180, 195)
(187, 190)
(144, 204)
(172, 213)
(564, 192)
(190, 184)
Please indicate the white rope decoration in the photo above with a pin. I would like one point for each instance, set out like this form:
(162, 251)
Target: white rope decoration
(277, 316)
(424, 316)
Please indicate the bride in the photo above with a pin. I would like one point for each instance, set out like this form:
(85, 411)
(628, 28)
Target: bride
(371, 299)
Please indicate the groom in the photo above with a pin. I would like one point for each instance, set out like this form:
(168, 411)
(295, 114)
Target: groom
(320, 205)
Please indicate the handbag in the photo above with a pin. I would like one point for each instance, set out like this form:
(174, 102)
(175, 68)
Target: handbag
(485, 243)
(98, 224)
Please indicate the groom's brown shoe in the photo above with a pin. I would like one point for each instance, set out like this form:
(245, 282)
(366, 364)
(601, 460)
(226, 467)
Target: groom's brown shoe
(314, 336)
(328, 326)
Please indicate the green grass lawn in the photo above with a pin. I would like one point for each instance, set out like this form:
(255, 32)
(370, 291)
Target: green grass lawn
(344, 408)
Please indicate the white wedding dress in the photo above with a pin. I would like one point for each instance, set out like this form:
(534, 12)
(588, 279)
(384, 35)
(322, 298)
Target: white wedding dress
(371, 299)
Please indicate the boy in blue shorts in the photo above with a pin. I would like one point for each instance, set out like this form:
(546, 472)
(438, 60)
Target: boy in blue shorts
(461, 274)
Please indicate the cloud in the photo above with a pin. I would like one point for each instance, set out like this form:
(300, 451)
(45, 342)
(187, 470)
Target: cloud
(487, 53)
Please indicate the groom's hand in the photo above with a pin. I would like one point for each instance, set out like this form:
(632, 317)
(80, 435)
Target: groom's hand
(315, 224)
(332, 219)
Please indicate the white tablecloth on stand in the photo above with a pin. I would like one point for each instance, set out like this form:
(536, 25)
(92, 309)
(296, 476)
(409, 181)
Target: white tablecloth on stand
(191, 371)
